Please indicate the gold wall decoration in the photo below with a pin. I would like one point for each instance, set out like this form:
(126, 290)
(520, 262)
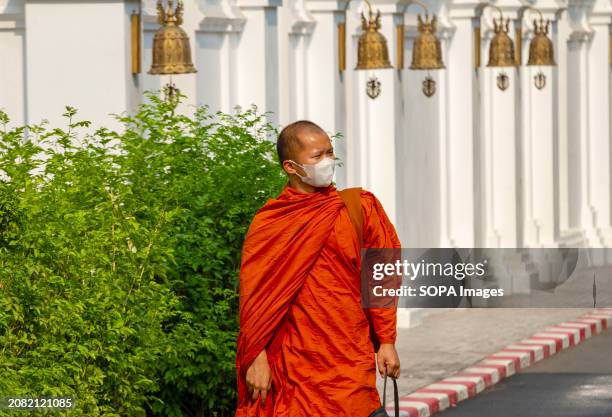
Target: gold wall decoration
(135, 37)
(539, 80)
(373, 87)
(541, 51)
(503, 81)
(426, 51)
(171, 50)
(501, 49)
(518, 51)
(372, 50)
(170, 91)
(399, 31)
(341, 46)
(429, 86)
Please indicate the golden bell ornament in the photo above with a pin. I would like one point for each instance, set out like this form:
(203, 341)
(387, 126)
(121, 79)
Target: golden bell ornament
(501, 50)
(426, 51)
(373, 52)
(171, 50)
(541, 51)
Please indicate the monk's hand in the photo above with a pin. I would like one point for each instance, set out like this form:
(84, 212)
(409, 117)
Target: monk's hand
(388, 360)
(259, 377)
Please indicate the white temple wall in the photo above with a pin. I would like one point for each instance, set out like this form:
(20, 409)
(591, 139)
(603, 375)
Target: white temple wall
(472, 165)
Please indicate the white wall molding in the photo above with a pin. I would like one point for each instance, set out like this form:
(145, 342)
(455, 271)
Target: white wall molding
(470, 166)
(13, 73)
(589, 126)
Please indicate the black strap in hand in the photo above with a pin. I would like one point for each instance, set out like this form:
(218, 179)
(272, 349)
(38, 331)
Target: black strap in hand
(395, 396)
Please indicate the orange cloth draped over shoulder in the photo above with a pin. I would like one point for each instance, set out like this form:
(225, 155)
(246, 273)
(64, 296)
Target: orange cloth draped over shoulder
(300, 299)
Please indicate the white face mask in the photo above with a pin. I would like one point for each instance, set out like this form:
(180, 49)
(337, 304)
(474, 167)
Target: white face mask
(319, 174)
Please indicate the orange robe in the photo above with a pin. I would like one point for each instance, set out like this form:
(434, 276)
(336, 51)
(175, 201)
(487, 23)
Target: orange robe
(300, 300)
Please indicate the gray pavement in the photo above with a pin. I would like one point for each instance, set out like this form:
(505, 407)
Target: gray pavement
(576, 382)
(449, 340)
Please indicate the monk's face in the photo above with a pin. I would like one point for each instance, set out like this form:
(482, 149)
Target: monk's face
(315, 147)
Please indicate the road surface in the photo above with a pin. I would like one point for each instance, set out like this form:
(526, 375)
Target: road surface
(576, 382)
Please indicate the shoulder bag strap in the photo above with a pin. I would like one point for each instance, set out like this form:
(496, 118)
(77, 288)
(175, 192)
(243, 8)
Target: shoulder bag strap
(352, 200)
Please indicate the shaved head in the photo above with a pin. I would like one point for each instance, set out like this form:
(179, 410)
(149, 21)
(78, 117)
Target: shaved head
(289, 141)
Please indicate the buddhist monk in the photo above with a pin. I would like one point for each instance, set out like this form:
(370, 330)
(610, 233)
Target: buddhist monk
(305, 347)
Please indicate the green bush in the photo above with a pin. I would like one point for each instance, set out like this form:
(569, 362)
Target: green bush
(119, 257)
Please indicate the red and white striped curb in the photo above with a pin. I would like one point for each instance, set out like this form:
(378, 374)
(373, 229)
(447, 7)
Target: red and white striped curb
(467, 383)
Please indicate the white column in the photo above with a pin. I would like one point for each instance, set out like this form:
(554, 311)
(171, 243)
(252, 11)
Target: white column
(217, 39)
(578, 44)
(376, 123)
(325, 102)
(436, 145)
(296, 25)
(599, 124)
(78, 54)
(589, 129)
(150, 25)
(422, 148)
(297, 36)
(498, 140)
(462, 86)
(257, 77)
(561, 83)
(538, 136)
(12, 68)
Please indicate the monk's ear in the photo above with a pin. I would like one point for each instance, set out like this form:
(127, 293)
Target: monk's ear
(292, 169)
(288, 167)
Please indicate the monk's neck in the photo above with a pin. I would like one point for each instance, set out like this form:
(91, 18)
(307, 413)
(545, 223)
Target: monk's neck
(300, 186)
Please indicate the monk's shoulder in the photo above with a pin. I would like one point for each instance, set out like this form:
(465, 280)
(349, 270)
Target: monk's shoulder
(368, 201)
(262, 215)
